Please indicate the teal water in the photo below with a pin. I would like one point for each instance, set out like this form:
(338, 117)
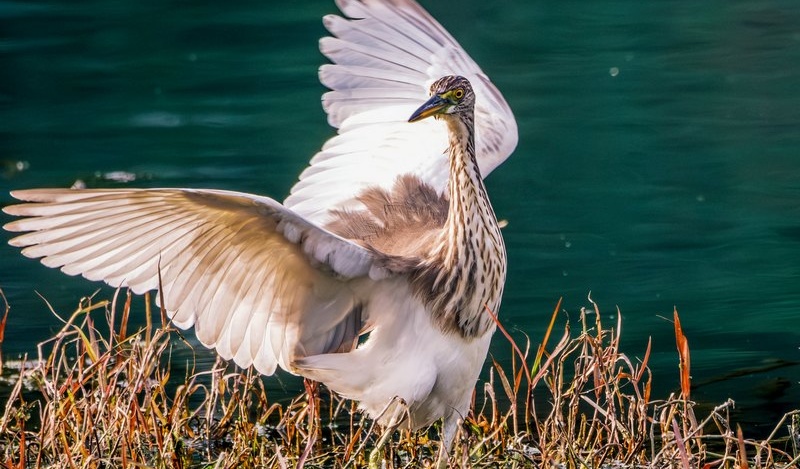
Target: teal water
(658, 164)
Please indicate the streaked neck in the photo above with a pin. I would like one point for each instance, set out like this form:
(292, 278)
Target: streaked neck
(471, 250)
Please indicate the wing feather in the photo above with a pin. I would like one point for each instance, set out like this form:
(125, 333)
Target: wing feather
(258, 282)
(384, 57)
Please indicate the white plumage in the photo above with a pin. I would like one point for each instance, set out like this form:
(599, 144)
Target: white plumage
(269, 284)
(384, 60)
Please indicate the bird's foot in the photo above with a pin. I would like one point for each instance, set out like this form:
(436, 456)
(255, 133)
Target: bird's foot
(376, 458)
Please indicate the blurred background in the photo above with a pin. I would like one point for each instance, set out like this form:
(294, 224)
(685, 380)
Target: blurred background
(658, 163)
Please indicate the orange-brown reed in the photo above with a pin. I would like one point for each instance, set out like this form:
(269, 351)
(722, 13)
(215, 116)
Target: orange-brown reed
(110, 400)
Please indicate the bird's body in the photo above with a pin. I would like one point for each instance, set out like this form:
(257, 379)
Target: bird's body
(447, 263)
(407, 358)
(413, 258)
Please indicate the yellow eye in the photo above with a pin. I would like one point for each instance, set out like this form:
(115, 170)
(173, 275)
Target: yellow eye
(458, 93)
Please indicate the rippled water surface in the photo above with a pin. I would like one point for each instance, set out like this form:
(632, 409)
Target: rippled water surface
(658, 164)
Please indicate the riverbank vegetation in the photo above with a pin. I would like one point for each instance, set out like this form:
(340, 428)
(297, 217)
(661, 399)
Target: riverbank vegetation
(102, 395)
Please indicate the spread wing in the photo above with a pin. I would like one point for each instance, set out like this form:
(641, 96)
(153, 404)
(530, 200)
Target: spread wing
(384, 56)
(259, 283)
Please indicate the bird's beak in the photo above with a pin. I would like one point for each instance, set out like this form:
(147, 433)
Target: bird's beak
(433, 106)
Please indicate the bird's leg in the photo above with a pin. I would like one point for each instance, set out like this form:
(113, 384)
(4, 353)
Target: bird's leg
(398, 408)
(449, 430)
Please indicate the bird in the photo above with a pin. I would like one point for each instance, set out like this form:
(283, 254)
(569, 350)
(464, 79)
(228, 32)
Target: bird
(375, 274)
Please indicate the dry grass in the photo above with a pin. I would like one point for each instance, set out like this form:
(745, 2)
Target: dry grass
(110, 400)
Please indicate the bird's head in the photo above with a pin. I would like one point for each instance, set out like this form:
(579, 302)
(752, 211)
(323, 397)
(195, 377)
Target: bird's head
(450, 95)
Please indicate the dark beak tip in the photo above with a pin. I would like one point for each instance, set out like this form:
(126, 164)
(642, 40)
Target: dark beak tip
(430, 108)
(414, 117)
